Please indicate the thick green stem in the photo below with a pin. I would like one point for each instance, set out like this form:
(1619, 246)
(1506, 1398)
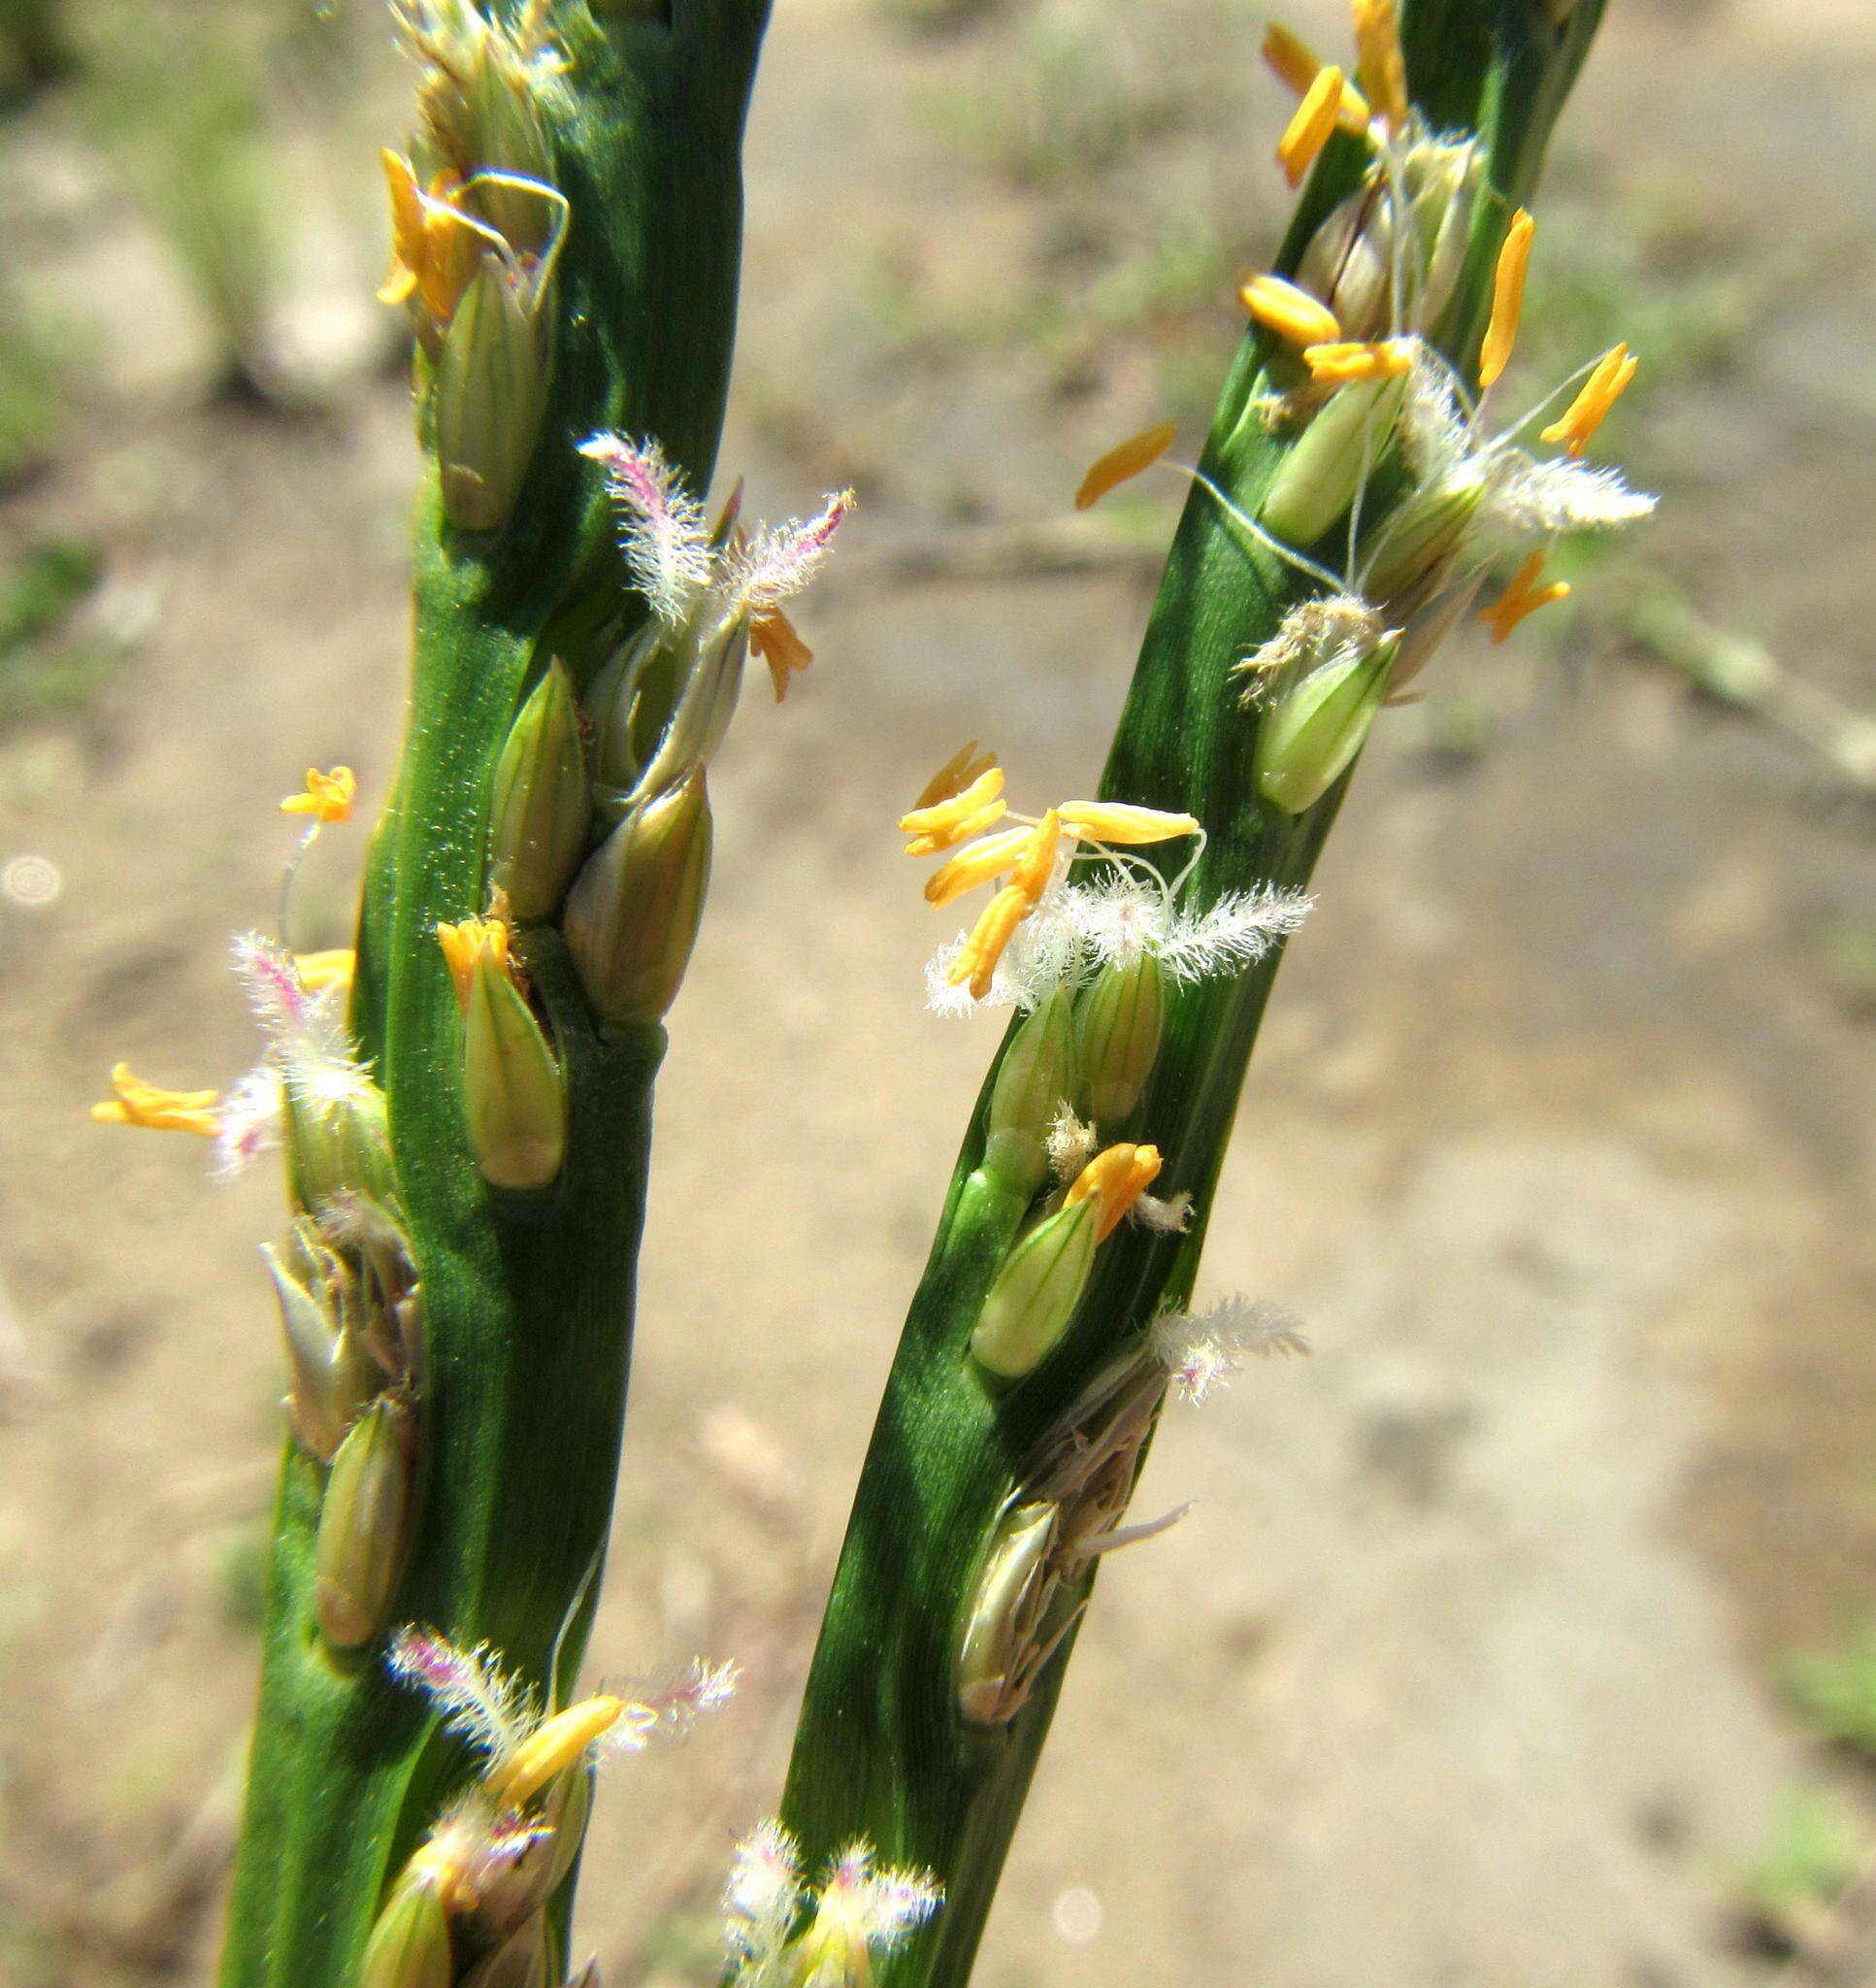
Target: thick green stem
(880, 1751)
(526, 1297)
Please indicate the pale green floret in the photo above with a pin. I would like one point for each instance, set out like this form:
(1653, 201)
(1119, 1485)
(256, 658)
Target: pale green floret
(1410, 552)
(542, 804)
(1311, 737)
(1036, 1293)
(332, 1376)
(491, 390)
(339, 1141)
(409, 1944)
(1333, 458)
(515, 1097)
(364, 1526)
(512, 146)
(1119, 1025)
(632, 915)
(1037, 1076)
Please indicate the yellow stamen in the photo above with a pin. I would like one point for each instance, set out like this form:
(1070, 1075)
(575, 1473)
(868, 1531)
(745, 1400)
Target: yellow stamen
(1290, 57)
(328, 796)
(1507, 297)
(155, 1109)
(949, 838)
(940, 817)
(1294, 62)
(977, 864)
(1032, 874)
(1120, 821)
(466, 946)
(1125, 460)
(1379, 64)
(1116, 1178)
(1289, 310)
(1522, 597)
(435, 248)
(551, 1747)
(1307, 131)
(1336, 365)
(452, 252)
(1599, 393)
(773, 638)
(976, 963)
(407, 230)
(956, 773)
(319, 971)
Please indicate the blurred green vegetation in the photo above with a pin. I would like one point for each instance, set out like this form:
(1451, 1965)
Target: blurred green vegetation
(188, 109)
(48, 668)
(174, 98)
(31, 397)
(35, 47)
(1816, 1850)
(1835, 1688)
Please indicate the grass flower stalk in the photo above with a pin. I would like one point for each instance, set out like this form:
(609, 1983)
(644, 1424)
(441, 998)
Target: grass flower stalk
(1351, 502)
(465, 1107)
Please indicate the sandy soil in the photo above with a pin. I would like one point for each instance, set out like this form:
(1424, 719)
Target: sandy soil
(1558, 1138)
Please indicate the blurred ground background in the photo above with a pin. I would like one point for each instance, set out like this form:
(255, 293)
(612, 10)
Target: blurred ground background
(1519, 1636)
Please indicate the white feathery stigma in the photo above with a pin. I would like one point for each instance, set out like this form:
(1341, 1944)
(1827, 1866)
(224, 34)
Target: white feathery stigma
(308, 1040)
(1077, 929)
(860, 1910)
(1201, 1352)
(476, 1698)
(779, 560)
(251, 1116)
(1526, 499)
(1171, 1216)
(1327, 630)
(1071, 1142)
(669, 1712)
(663, 532)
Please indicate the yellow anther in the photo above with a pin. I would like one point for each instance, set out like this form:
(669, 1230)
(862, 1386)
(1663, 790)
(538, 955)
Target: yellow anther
(1307, 131)
(955, 775)
(977, 962)
(945, 817)
(1507, 297)
(407, 229)
(1379, 64)
(1289, 310)
(977, 864)
(773, 638)
(328, 796)
(552, 1747)
(435, 249)
(1116, 1178)
(1338, 365)
(1032, 874)
(985, 817)
(1522, 597)
(157, 1109)
(1120, 821)
(1599, 393)
(319, 970)
(466, 946)
(453, 248)
(1125, 460)
(1294, 62)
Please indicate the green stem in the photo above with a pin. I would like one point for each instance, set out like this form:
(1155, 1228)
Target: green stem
(880, 1752)
(526, 1297)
